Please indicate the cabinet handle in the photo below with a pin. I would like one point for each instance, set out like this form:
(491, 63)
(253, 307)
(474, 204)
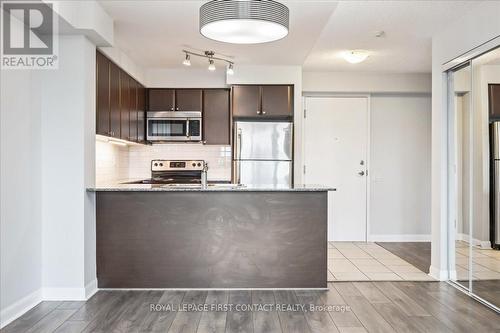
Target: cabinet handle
(176, 109)
(205, 142)
(263, 112)
(171, 109)
(258, 112)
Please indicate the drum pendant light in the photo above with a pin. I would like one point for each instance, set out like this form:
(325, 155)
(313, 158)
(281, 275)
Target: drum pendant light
(244, 21)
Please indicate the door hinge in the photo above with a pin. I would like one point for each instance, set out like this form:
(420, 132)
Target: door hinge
(304, 169)
(305, 113)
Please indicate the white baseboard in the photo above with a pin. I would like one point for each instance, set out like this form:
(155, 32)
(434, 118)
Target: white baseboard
(16, 310)
(475, 242)
(400, 238)
(441, 275)
(22, 306)
(91, 289)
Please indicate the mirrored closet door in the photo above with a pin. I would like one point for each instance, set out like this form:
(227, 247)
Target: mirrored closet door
(474, 176)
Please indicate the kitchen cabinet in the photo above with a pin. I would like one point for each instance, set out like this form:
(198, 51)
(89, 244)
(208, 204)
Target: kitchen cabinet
(276, 101)
(114, 100)
(188, 99)
(133, 110)
(141, 114)
(102, 95)
(161, 99)
(263, 101)
(246, 101)
(175, 99)
(125, 105)
(216, 117)
(120, 102)
(494, 101)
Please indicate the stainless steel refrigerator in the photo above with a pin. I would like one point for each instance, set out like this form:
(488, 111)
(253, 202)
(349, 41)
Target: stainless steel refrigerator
(495, 149)
(263, 153)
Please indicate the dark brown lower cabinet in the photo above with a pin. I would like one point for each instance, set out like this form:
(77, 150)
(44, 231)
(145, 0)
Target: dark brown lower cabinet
(217, 117)
(235, 239)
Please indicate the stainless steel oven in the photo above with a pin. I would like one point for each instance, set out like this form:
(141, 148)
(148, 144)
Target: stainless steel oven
(174, 126)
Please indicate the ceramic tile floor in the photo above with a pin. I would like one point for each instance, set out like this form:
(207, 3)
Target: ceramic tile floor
(361, 261)
(486, 262)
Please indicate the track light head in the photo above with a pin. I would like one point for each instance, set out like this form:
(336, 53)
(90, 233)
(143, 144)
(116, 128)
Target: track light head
(211, 66)
(187, 60)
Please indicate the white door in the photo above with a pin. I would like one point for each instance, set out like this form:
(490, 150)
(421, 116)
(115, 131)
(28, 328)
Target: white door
(335, 153)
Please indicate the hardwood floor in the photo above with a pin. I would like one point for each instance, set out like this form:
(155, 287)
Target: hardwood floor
(416, 253)
(356, 307)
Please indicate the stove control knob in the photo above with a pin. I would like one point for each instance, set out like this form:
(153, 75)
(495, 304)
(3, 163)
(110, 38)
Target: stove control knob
(199, 164)
(156, 164)
(161, 164)
(194, 164)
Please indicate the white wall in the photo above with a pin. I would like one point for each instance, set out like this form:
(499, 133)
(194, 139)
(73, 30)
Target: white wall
(479, 26)
(186, 77)
(354, 82)
(400, 168)
(278, 75)
(125, 63)
(20, 210)
(68, 136)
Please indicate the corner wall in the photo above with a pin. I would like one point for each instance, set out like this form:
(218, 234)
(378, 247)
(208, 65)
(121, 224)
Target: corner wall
(68, 139)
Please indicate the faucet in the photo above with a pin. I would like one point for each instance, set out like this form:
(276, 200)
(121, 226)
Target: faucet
(204, 175)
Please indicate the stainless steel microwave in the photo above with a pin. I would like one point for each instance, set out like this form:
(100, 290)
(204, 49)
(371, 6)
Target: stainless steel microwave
(174, 126)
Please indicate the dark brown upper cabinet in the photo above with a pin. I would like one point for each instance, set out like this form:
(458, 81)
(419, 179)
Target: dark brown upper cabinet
(114, 101)
(125, 105)
(188, 99)
(267, 101)
(102, 95)
(141, 114)
(276, 101)
(133, 110)
(161, 99)
(216, 117)
(120, 102)
(246, 101)
(494, 101)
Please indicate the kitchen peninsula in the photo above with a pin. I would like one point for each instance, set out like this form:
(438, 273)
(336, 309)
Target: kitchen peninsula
(218, 236)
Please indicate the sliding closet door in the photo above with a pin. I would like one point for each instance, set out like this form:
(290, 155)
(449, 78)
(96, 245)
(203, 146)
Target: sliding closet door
(461, 150)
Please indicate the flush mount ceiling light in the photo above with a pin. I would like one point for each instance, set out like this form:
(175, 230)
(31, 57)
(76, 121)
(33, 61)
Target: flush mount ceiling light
(210, 55)
(244, 21)
(355, 56)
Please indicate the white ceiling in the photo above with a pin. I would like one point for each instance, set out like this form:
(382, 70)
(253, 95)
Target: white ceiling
(153, 33)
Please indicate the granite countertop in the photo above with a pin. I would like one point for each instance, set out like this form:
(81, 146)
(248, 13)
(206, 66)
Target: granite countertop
(212, 187)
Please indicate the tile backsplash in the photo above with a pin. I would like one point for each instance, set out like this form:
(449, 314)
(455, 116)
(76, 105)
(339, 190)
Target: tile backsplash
(111, 162)
(217, 157)
(116, 163)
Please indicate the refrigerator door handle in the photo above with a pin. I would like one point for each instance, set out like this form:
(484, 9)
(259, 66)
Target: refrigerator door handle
(238, 143)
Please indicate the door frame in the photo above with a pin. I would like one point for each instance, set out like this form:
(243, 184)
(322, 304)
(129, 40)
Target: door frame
(305, 96)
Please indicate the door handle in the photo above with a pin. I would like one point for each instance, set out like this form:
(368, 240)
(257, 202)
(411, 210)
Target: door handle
(361, 173)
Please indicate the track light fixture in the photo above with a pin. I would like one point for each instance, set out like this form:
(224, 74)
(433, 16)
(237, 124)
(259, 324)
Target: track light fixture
(210, 55)
(187, 60)
(230, 69)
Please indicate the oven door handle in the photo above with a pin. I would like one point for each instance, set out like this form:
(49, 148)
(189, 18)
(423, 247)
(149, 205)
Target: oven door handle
(188, 134)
